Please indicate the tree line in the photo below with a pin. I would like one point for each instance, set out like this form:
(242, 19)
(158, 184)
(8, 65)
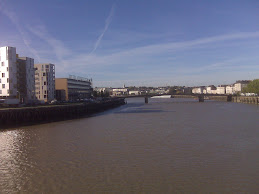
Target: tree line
(252, 87)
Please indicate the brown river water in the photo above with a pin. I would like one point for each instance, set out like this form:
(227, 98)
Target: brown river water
(166, 146)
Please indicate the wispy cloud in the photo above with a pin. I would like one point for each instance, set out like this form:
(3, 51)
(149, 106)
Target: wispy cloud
(144, 54)
(107, 24)
(58, 47)
(228, 65)
(14, 19)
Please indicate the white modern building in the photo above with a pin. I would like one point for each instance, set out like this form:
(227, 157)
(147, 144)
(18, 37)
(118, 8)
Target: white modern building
(26, 79)
(211, 89)
(8, 72)
(230, 89)
(198, 90)
(221, 90)
(45, 82)
(136, 92)
(120, 91)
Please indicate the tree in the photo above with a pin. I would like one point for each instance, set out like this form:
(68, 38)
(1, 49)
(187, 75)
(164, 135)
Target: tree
(95, 93)
(102, 95)
(252, 87)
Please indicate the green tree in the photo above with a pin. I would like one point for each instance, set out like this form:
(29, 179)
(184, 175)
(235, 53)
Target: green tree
(172, 90)
(252, 87)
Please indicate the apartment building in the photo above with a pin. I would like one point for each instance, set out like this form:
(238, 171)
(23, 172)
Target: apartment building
(26, 79)
(45, 82)
(229, 89)
(240, 84)
(74, 88)
(198, 90)
(211, 89)
(221, 89)
(8, 72)
(120, 91)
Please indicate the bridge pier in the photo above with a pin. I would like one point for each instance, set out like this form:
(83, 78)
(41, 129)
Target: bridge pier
(146, 100)
(201, 98)
(229, 98)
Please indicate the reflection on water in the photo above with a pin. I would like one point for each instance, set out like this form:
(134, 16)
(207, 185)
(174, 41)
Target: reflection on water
(166, 146)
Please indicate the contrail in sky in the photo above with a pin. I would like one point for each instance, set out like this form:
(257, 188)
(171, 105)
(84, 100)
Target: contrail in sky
(107, 24)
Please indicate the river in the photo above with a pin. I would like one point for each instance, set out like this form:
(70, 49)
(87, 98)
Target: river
(166, 146)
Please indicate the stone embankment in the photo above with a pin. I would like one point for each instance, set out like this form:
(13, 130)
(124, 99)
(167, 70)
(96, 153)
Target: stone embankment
(239, 99)
(229, 98)
(246, 99)
(33, 115)
(183, 96)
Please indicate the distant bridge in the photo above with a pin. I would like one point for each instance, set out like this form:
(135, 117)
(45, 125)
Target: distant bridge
(200, 97)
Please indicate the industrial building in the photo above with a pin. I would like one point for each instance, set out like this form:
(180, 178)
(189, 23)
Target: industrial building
(73, 88)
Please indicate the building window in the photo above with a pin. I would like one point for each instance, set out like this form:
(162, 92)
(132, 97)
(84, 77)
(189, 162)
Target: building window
(7, 91)
(0, 91)
(44, 74)
(3, 85)
(3, 74)
(0, 81)
(2, 63)
(45, 96)
(44, 83)
(7, 69)
(7, 80)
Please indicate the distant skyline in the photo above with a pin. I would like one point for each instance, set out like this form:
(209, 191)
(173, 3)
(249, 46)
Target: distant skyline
(137, 43)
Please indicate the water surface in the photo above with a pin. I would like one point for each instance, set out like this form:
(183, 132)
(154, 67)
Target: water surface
(166, 146)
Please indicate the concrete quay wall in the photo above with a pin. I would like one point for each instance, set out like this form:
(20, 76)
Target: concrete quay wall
(246, 99)
(183, 96)
(34, 115)
(239, 99)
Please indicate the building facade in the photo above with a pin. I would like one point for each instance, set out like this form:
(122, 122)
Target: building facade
(198, 90)
(211, 89)
(8, 72)
(239, 85)
(229, 89)
(120, 91)
(221, 90)
(26, 79)
(75, 88)
(45, 82)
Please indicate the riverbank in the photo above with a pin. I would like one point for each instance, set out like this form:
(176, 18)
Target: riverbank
(10, 117)
(229, 98)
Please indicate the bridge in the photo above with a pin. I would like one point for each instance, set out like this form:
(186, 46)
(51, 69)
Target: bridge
(200, 97)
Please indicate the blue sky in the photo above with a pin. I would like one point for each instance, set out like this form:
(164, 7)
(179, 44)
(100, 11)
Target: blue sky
(138, 42)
